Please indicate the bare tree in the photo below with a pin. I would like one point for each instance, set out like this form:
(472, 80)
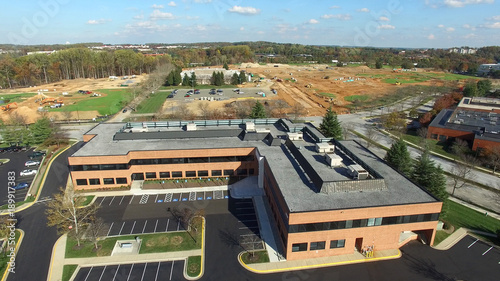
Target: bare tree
(216, 114)
(297, 110)
(493, 157)
(67, 114)
(94, 231)
(371, 135)
(462, 171)
(251, 243)
(279, 110)
(346, 130)
(422, 133)
(242, 109)
(183, 112)
(204, 109)
(17, 119)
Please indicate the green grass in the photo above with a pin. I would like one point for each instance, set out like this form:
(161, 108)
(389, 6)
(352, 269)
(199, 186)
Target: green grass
(4, 258)
(153, 103)
(110, 103)
(327, 95)
(194, 266)
(440, 236)
(28, 200)
(357, 97)
(259, 257)
(68, 271)
(434, 145)
(87, 200)
(8, 98)
(462, 216)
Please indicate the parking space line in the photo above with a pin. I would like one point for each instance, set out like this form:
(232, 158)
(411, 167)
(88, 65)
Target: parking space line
(171, 270)
(487, 250)
(157, 270)
(472, 243)
(102, 272)
(247, 221)
(144, 228)
(121, 200)
(101, 201)
(131, 199)
(168, 220)
(156, 199)
(131, 268)
(110, 228)
(116, 272)
(155, 226)
(88, 273)
(132, 230)
(121, 228)
(111, 201)
(144, 271)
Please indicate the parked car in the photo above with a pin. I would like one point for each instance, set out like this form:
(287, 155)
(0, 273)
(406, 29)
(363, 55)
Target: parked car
(125, 110)
(21, 185)
(197, 92)
(37, 154)
(27, 172)
(31, 163)
(212, 91)
(220, 92)
(190, 91)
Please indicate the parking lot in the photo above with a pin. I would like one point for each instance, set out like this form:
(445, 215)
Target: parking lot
(161, 198)
(248, 226)
(226, 94)
(153, 271)
(16, 165)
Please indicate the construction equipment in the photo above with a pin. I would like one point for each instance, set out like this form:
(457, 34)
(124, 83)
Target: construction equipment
(309, 85)
(398, 83)
(51, 100)
(12, 105)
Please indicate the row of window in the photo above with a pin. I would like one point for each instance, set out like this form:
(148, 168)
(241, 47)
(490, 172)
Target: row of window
(308, 227)
(104, 181)
(313, 246)
(246, 158)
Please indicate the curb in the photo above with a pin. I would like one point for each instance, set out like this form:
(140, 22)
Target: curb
(202, 262)
(452, 242)
(18, 244)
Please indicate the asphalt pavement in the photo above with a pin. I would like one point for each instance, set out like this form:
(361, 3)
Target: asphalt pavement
(16, 165)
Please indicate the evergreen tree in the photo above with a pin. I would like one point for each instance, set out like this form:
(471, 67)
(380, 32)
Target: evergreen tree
(177, 77)
(470, 90)
(226, 67)
(40, 130)
(192, 80)
(398, 157)
(426, 174)
(242, 77)
(378, 64)
(220, 78)
(234, 79)
(258, 111)
(185, 80)
(483, 87)
(213, 79)
(330, 126)
(170, 79)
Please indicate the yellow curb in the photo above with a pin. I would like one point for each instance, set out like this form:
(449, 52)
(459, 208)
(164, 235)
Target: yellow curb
(21, 235)
(314, 265)
(52, 257)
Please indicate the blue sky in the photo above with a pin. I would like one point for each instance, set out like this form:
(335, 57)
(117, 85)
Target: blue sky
(387, 23)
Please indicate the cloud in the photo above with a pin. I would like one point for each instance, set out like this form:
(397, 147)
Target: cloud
(450, 29)
(203, 1)
(157, 6)
(463, 3)
(364, 10)
(99, 21)
(313, 21)
(495, 18)
(386, 26)
(431, 37)
(244, 10)
(242, 28)
(337, 16)
(383, 19)
(192, 17)
(468, 26)
(139, 17)
(441, 26)
(494, 25)
(335, 7)
(470, 35)
(285, 28)
(171, 4)
(159, 15)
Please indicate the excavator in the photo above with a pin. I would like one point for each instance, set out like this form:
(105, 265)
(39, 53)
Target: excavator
(51, 100)
(9, 106)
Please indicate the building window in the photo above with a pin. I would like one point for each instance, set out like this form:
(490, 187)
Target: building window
(177, 174)
(348, 224)
(164, 175)
(150, 175)
(94, 181)
(378, 221)
(190, 174)
(121, 180)
(81, 182)
(202, 173)
(442, 138)
(299, 247)
(434, 136)
(108, 181)
(216, 173)
(241, 172)
(317, 246)
(337, 244)
(228, 172)
(371, 222)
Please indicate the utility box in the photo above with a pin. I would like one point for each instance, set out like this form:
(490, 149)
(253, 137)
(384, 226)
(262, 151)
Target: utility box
(333, 160)
(357, 172)
(324, 147)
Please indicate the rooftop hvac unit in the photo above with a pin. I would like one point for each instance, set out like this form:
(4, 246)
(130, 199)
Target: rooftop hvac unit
(324, 147)
(357, 172)
(250, 126)
(333, 160)
(263, 130)
(295, 136)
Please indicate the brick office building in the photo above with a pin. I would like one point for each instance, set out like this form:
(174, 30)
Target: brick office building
(327, 197)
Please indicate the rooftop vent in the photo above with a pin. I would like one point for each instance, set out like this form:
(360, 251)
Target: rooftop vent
(333, 160)
(250, 126)
(324, 147)
(357, 172)
(295, 136)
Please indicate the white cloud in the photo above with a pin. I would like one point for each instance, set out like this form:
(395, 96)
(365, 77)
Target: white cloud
(285, 28)
(450, 29)
(155, 6)
(260, 32)
(383, 19)
(493, 25)
(159, 15)
(495, 18)
(171, 4)
(441, 26)
(242, 28)
(463, 3)
(139, 17)
(431, 37)
(470, 35)
(313, 21)
(203, 1)
(364, 10)
(335, 7)
(468, 26)
(192, 17)
(386, 26)
(337, 16)
(244, 10)
(99, 21)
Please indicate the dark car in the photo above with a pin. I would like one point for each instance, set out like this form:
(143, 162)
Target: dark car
(21, 185)
(190, 91)
(125, 110)
(212, 91)
(197, 92)
(37, 154)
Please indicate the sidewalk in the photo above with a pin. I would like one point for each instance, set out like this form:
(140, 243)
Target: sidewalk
(453, 239)
(152, 191)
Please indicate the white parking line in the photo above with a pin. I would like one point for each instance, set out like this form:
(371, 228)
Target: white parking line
(144, 226)
(110, 228)
(131, 199)
(101, 201)
(156, 199)
(172, 270)
(143, 272)
(248, 234)
(116, 272)
(130, 272)
(157, 270)
(247, 221)
(121, 200)
(88, 273)
(102, 273)
(488, 250)
(156, 226)
(121, 229)
(249, 227)
(111, 201)
(132, 227)
(472, 243)
(166, 228)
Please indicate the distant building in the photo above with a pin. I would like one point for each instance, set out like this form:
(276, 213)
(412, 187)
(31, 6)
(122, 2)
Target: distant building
(463, 51)
(42, 52)
(475, 120)
(485, 69)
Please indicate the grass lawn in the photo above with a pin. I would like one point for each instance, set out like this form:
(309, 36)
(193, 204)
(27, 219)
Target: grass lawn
(194, 266)
(434, 145)
(112, 101)
(87, 200)
(440, 236)
(462, 216)
(68, 271)
(4, 258)
(8, 98)
(255, 257)
(357, 97)
(153, 103)
(28, 200)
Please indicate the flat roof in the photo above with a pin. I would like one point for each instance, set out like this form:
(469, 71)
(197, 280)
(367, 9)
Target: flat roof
(485, 125)
(299, 192)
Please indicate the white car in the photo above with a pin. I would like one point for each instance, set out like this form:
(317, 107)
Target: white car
(31, 163)
(27, 172)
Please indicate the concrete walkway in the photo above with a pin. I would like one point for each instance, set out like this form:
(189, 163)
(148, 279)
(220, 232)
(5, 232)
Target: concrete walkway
(453, 239)
(153, 191)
